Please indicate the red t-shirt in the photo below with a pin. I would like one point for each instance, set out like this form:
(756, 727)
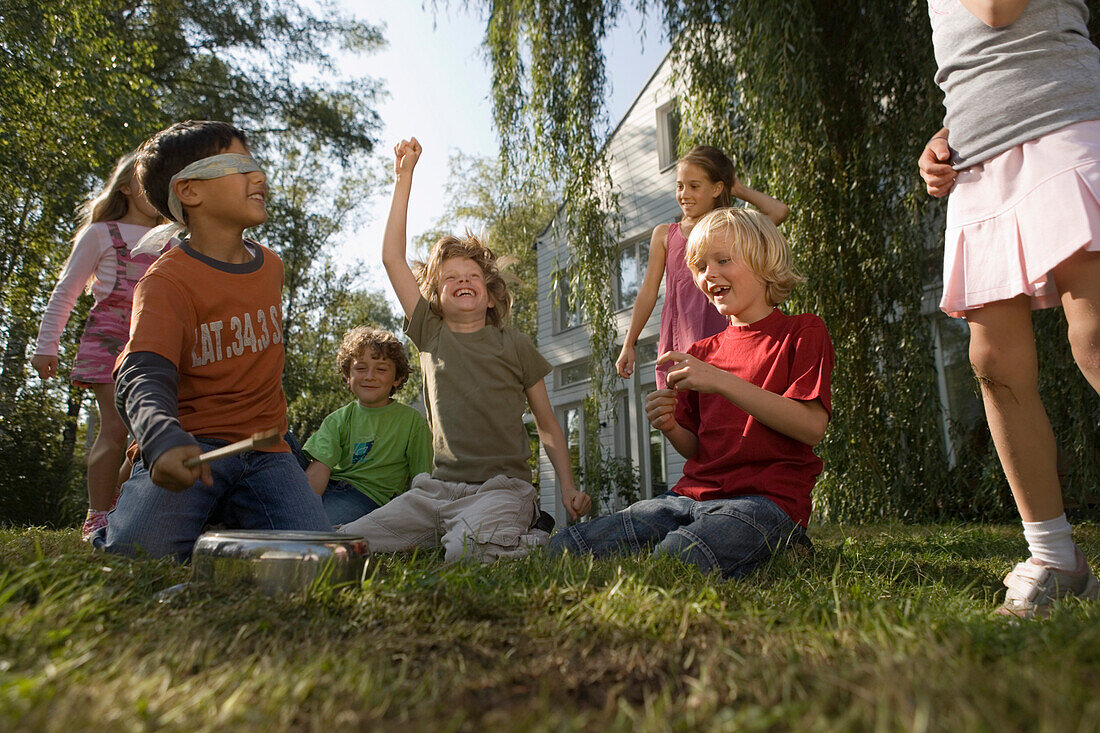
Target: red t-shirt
(738, 456)
(221, 325)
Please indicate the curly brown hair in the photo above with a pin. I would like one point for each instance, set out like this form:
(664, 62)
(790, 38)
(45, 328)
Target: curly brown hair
(382, 345)
(472, 248)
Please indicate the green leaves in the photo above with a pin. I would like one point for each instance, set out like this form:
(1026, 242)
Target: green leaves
(84, 81)
(824, 104)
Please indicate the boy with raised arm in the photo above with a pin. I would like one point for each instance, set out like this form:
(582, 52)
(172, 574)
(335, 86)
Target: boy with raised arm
(745, 407)
(479, 376)
(204, 363)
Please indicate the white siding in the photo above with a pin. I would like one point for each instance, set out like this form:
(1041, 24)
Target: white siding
(646, 199)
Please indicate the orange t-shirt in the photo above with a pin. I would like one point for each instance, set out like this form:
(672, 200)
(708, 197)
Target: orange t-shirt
(221, 325)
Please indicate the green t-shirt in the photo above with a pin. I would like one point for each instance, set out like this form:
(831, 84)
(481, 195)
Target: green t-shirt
(475, 386)
(375, 449)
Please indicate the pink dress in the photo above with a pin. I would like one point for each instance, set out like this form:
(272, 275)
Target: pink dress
(687, 316)
(108, 326)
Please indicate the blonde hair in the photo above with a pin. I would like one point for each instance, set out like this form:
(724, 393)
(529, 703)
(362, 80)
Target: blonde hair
(472, 248)
(754, 240)
(382, 345)
(109, 204)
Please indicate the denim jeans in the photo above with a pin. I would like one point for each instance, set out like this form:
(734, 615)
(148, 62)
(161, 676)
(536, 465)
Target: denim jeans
(344, 503)
(732, 536)
(253, 490)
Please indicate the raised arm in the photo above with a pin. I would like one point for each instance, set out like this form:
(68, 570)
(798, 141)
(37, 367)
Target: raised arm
(805, 421)
(553, 442)
(770, 207)
(996, 13)
(394, 243)
(647, 298)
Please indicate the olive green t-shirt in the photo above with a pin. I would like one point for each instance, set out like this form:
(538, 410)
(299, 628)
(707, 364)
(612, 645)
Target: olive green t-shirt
(375, 449)
(474, 385)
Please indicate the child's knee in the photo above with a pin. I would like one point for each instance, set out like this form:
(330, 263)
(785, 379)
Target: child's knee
(688, 548)
(460, 546)
(1001, 371)
(563, 541)
(133, 539)
(1084, 340)
(114, 434)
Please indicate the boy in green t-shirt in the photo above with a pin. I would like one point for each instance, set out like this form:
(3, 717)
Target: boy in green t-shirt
(366, 452)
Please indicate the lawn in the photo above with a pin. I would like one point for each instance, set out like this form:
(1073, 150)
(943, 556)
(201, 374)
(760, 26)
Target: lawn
(882, 628)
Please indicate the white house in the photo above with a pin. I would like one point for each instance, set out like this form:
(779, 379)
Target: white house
(642, 158)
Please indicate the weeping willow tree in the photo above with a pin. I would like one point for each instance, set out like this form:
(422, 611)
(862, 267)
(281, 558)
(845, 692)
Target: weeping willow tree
(549, 84)
(827, 104)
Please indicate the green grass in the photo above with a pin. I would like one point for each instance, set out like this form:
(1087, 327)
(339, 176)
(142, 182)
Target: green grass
(883, 628)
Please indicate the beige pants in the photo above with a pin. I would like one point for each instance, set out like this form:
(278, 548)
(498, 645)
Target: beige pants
(471, 521)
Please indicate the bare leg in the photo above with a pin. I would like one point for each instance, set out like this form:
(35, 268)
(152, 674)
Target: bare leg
(1002, 352)
(1078, 281)
(105, 457)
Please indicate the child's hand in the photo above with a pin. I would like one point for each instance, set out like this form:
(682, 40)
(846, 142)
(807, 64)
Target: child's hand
(576, 503)
(660, 408)
(935, 167)
(168, 471)
(687, 372)
(405, 155)
(736, 188)
(46, 366)
(624, 365)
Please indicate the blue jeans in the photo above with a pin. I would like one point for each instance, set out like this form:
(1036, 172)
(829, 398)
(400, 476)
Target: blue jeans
(253, 490)
(344, 503)
(732, 536)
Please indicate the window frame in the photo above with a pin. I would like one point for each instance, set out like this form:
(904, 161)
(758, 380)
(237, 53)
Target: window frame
(669, 124)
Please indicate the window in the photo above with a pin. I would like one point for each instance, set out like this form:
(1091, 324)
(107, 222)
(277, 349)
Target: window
(633, 259)
(574, 435)
(573, 373)
(645, 353)
(569, 315)
(624, 434)
(668, 134)
(960, 403)
(658, 468)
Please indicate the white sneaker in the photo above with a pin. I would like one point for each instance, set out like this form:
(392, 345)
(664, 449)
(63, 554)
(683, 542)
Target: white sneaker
(1033, 587)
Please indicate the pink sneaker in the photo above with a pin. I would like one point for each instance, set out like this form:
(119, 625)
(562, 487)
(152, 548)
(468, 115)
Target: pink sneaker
(1033, 587)
(96, 520)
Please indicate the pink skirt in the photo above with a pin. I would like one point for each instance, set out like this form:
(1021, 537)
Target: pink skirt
(1015, 217)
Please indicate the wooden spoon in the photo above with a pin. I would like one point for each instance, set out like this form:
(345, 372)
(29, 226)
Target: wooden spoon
(259, 440)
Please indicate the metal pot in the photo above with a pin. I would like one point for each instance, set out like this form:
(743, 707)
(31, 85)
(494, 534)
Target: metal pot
(278, 561)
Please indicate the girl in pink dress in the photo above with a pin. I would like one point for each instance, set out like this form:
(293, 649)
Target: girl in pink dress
(705, 181)
(111, 223)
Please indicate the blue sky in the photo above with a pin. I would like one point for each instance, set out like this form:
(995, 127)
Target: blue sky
(438, 84)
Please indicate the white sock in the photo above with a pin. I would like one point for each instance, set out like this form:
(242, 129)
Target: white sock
(1051, 543)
